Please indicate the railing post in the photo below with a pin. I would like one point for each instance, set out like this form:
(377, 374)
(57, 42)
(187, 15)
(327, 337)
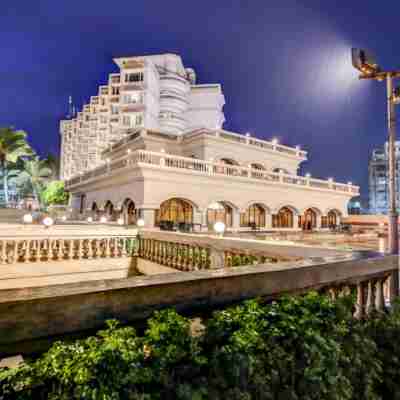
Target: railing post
(394, 285)
(216, 258)
(379, 297)
(370, 306)
(360, 305)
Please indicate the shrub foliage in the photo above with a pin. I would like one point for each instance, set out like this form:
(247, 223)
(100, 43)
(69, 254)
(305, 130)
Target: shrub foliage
(305, 347)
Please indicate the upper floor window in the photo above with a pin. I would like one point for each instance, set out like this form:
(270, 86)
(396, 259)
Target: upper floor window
(134, 77)
(132, 98)
(115, 90)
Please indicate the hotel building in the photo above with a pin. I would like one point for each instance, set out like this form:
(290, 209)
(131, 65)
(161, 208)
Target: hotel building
(151, 143)
(379, 179)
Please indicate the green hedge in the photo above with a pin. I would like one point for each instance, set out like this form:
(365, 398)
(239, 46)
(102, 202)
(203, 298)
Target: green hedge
(305, 347)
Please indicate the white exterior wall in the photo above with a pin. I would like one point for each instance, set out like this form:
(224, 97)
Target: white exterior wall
(205, 107)
(166, 91)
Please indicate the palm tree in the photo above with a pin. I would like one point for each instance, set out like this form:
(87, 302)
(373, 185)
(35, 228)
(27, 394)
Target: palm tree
(53, 162)
(13, 145)
(37, 173)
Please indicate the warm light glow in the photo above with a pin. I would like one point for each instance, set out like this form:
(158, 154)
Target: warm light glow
(90, 219)
(128, 151)
(64, 218)
(274, 141)
(219, 227)
(108, 160)
(216, 206)
(120, 221)
(140, 223)
(103, 219)
(162, 150)
(308, 175)
(27, 218)
(48, 221)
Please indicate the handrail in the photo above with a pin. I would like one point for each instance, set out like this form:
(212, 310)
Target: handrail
(212, 168)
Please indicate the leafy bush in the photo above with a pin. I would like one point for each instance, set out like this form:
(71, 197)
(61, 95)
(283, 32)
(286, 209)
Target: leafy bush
(55, 193)
(304, 347)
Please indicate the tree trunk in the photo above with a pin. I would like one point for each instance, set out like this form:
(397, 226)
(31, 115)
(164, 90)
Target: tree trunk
(5, 182)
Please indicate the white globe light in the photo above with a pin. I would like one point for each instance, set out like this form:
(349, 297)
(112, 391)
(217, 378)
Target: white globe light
(103, 219)
(48, 221)
(140, 223)
(27, 218)
(64, 218)
(120, 221)
(219, 227)
(90, 219)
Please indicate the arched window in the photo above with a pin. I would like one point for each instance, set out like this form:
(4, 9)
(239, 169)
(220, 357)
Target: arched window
(308, 221)
(82, 205)
(284, 218)
(129, 212)
(219, 212)
(175, 210)
(254, 216)
(109, 209)
(332, 218)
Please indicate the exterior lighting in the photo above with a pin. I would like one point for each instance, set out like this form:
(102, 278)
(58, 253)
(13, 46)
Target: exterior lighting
(216, 206)
(274, 141)
(140, 223)
(120, 221)
(349, 183)
(64, 218)
(27, 219)
(48, 222)
(219, 228)
(330, 179)
(365, 63)
(248, 134)
(128, 151)
(162, 150)
(90, 219)
(308, 175)
(298, 148)
(107, 160)
(103, 219)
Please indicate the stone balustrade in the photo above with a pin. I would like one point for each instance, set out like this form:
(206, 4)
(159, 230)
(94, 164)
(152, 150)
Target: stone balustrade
(63, 248)
(163, 160)
(194, 255)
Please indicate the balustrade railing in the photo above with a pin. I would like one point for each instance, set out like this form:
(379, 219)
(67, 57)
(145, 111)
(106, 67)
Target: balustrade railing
(22, 250)
(164, 160)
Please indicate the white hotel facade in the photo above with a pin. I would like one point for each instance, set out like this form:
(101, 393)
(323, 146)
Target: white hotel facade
(151, 143)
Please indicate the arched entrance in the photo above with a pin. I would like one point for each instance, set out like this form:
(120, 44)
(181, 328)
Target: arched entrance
(308, 221)
(332, 219)
(95, 210)
(109, 210)
(219, 211)
(283, 219)
(129, 212)
(254, 216)
(174, 211)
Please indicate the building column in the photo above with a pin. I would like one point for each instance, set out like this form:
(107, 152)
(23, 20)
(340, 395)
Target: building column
(296, 222)
(235, 220)
(148, 215)
(204, 226)
(268, 221)
(198, 219)
(319, 222)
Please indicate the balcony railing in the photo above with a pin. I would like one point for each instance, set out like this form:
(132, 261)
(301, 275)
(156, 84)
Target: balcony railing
(202, 167)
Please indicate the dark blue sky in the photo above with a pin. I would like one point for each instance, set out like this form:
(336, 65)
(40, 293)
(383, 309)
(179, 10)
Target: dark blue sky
(284, 65)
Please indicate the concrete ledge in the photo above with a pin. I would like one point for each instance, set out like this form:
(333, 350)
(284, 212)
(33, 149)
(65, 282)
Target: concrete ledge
(31, 313)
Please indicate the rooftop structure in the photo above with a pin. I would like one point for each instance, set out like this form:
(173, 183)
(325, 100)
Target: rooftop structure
(152, 144)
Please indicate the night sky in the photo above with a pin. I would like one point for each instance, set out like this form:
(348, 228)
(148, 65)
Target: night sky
(284, 66)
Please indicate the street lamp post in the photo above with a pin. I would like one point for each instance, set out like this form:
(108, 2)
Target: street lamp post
(369, 69)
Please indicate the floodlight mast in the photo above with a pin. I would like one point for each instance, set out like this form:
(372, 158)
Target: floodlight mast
(369, 69)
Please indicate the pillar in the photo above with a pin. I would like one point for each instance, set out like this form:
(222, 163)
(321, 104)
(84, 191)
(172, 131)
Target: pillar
(268, 221)
(319, 222)
(296, 222)
(148, 215)
(198, 220)
(235, 219)
(204, 226)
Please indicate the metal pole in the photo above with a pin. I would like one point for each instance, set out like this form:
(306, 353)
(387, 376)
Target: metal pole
(392, 212)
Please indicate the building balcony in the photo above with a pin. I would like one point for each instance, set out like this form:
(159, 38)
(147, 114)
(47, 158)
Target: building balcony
(133, 107)
(196, 167)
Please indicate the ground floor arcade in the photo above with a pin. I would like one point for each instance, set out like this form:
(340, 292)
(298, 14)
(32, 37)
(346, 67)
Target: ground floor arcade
(184, 213)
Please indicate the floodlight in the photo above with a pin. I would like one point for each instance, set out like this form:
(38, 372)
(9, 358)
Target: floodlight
(219, 227)
(364, 62)
(103, 219)
(48, 221)
(140, 223)
(90, 219)
(120, 221)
